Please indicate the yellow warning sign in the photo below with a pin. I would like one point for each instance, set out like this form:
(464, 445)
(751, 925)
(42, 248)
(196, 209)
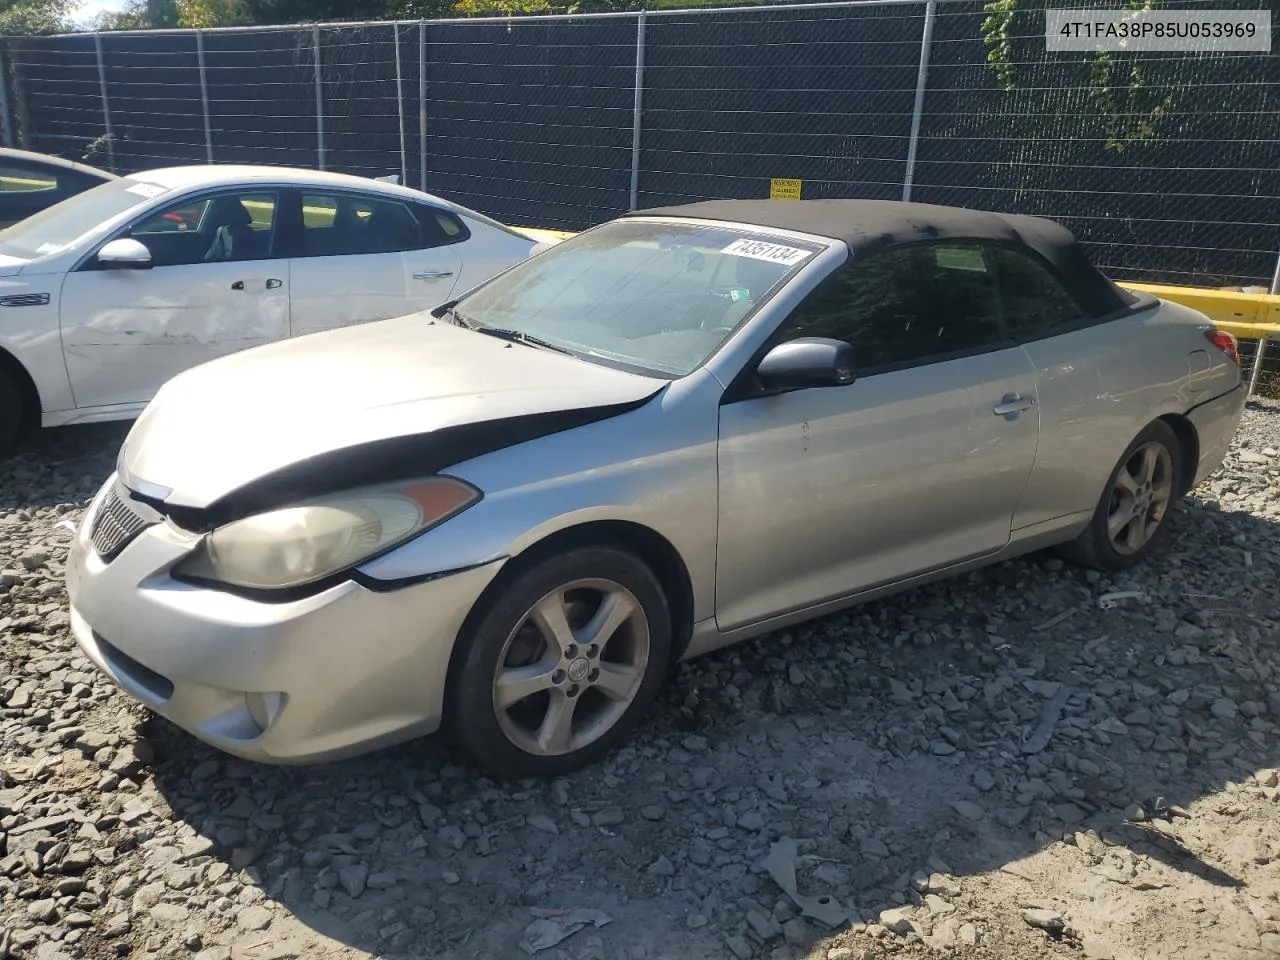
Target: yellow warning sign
(784, 188)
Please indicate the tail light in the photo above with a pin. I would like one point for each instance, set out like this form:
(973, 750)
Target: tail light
(1224, 342)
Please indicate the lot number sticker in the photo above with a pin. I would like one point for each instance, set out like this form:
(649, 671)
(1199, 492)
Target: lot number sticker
(144, 189)
(772, 252)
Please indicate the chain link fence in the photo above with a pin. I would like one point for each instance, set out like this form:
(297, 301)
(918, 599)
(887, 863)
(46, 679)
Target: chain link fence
(1166, 165)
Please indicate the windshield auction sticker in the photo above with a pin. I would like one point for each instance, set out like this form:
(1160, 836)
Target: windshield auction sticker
(144, 189)
(773, 252)
(1154, 31)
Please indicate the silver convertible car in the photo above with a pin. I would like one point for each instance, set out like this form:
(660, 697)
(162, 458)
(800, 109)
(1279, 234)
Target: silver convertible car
(677, 430)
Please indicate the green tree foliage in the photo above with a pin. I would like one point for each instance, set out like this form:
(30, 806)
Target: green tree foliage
(148, 14)
(213, 13)
(311, 11)
(162, 13)
(1128, 106)
(473, 8)
(151, 14)
(489, 8)
(419, 9)
(28, 17)
(140, 15)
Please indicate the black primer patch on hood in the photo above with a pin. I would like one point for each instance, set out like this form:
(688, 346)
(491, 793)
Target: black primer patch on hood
(389, 459)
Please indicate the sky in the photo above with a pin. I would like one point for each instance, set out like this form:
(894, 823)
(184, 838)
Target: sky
(88, 11)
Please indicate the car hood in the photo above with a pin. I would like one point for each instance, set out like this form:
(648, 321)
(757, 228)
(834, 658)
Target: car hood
(11, 266)
(357, 405)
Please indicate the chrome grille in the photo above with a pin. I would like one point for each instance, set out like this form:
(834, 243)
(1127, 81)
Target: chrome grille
(118, 521)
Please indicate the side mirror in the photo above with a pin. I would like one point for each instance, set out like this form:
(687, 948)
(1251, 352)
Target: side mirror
(125, 254)
(806, 362)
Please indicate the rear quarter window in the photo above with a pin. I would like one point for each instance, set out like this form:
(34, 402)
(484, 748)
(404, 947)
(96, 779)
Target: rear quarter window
(1036, 304)
(440, 227)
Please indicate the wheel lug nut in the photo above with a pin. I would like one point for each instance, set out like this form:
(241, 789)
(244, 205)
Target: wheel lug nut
(594, 675)
(570, 651)
(558, 676)
(572, 691)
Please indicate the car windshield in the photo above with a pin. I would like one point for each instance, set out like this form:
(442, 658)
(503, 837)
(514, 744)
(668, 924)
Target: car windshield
(654, 297)
(57, 227)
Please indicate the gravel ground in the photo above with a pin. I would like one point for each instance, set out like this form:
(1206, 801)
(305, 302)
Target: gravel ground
(995, 767)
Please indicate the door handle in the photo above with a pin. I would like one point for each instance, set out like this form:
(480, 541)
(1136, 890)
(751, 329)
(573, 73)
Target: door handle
(238, 285)
(432, 274)
(1012, 404)
(272, 283)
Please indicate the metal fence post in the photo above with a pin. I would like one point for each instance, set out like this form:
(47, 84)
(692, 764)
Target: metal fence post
(204, 97)
(1258, 359)
(636, 109)
(315, 47)
(404, 164)
(926, 41)
(422, 105)
(22, 117)
(5, 116)
(106, 107)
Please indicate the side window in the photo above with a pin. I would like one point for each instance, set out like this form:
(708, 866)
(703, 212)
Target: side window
(343, 224)
(440, 227)
(177, 219)
(905, 305)
(233, 226)
(19, 179)
(1035, 302)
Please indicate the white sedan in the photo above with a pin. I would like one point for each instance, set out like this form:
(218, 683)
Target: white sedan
(107, 295)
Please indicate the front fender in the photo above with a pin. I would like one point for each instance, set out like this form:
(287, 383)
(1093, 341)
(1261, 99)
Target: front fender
(29, 333)
(655, 466)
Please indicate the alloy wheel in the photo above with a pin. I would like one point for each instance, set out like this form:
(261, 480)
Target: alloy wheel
(1140, 498)
(571, 668)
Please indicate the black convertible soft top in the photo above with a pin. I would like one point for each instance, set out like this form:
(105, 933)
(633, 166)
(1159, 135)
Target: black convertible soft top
(869, 225)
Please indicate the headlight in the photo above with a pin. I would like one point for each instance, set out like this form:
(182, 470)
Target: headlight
(316, 538)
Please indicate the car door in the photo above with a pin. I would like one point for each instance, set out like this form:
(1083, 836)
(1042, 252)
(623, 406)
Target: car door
(215, 286)
(917, 464)
(1098, 383)
(362, 257)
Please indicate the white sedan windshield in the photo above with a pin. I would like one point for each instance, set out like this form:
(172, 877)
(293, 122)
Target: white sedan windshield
(659, 298)
(59, 226)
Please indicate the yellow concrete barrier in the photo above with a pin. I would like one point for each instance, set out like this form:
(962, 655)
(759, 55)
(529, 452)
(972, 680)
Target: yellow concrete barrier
(540, 234)
(1220, 306)
(1250, 331)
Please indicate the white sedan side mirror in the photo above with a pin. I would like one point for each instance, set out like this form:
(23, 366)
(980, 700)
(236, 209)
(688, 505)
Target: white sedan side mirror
(125, 254)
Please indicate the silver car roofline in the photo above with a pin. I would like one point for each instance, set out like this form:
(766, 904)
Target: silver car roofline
(738, 225)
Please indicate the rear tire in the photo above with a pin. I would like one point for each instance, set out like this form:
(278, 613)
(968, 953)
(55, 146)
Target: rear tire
(11, 414)
(562, 666)
(1132, 516)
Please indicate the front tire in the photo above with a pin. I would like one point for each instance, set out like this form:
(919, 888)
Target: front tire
(560, 669)
(1131, 518)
